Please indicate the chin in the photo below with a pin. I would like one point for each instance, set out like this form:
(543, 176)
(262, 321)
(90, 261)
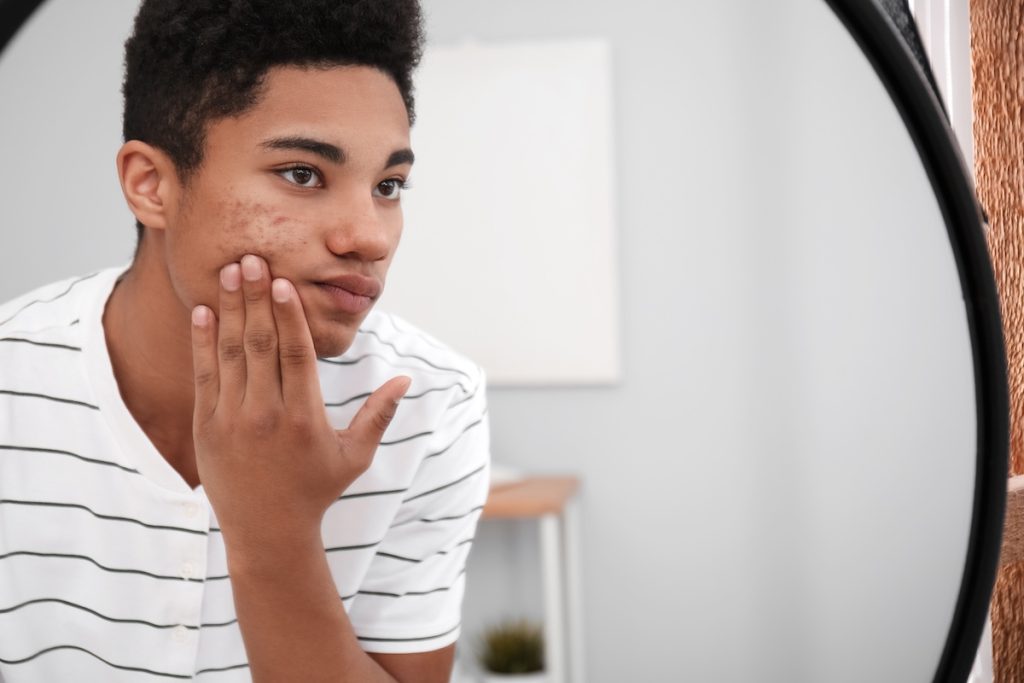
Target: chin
(331, 345)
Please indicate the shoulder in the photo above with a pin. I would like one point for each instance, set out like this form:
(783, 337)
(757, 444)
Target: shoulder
(54, 306)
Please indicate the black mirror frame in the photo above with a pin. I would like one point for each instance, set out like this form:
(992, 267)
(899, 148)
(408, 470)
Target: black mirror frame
(911, 91)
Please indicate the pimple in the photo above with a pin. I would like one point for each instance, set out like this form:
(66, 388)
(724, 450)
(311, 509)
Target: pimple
(243, 215)
(255, 227)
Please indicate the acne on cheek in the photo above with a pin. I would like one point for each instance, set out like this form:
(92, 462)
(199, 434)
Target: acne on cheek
(254, 227)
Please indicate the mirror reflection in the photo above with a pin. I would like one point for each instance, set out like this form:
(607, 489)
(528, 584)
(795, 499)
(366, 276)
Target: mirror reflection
(732, 317)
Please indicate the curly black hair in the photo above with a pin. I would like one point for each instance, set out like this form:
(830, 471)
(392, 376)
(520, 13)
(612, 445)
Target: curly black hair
(189, 62)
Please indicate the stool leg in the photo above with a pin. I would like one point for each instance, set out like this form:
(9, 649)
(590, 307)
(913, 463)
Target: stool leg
(550, 557)
(574, 590)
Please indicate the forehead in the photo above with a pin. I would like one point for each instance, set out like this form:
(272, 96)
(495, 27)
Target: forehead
(357, 107)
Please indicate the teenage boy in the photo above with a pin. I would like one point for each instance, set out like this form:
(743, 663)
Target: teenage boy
(220, 462)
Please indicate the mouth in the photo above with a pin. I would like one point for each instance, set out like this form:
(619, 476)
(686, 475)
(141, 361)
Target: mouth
(351, 293)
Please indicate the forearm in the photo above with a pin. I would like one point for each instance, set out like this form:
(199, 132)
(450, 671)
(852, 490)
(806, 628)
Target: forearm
(292, 621)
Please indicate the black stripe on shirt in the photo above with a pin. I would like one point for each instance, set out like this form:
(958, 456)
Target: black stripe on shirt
(405, 438)
(93, 654)
(462, 400)
(390, 361)
(366, 494)
(77, 506)
(423, 559)
(461, 479)
(40, 343)
(450, 518)
(410, 640)
(352, 547)
(461, 434)
(114, 570)
(384, 594)
(417, 333)
(56, 451)
(27, 394)
(407, 397)
(47, 301)
(404, 354)
(5, 610)
(243, 665)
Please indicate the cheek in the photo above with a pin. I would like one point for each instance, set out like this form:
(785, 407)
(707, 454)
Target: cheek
(224, 232)
(258, 228)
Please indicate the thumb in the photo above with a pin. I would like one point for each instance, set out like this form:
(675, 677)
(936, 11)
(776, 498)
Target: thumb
(369, 424)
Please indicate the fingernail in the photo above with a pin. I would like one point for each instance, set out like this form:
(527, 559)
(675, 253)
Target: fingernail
(251, 270)
(230, 277)
(200, 316)
(281, 290)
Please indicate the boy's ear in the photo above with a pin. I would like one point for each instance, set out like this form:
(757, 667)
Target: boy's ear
(149, 182)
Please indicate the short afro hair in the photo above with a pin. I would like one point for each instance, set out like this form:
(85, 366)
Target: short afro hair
(189, 62)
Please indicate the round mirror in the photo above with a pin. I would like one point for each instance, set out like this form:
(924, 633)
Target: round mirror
(722, 265)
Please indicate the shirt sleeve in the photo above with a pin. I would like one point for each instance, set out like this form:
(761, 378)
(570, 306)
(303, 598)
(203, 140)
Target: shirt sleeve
(411, 597)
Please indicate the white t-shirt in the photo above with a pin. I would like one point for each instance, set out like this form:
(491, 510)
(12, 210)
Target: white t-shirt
(113, 569)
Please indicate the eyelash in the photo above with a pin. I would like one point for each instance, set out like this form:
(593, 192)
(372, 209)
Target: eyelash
(401, 183)
(301, 167)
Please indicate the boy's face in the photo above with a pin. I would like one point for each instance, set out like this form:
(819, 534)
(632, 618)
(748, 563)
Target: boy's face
(309, 179)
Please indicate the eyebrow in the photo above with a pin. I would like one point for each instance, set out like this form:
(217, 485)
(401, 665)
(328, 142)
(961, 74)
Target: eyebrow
(330, 152)
(399, 157)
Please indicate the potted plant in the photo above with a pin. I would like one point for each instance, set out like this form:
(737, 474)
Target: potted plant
(513, 651)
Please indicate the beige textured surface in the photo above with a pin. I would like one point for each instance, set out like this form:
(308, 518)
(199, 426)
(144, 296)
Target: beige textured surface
(997, 49)
(1012, 551)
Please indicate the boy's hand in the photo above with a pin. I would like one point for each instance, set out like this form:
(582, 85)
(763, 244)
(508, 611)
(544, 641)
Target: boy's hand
(269, 460)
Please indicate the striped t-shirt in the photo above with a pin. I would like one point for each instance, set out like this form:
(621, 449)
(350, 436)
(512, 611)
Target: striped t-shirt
(113, 569)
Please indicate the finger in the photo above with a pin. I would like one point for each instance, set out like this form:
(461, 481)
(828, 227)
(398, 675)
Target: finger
(204, 360)
(300, 383)
(369, 424)
(230, 327)
(263, 374)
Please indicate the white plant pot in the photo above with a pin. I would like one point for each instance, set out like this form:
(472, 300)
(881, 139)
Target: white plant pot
(536, 677)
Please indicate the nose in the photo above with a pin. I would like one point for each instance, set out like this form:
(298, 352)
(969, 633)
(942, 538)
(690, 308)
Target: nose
(360, 230)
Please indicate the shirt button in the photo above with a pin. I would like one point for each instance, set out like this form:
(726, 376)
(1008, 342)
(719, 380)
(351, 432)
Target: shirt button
(191, 510)
(188, 570)
(180, 634)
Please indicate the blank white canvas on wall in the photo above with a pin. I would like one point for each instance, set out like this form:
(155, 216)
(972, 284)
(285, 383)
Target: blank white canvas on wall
(509, 252)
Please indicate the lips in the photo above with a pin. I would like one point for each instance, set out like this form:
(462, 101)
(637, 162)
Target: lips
(360, 285)
(353, 294)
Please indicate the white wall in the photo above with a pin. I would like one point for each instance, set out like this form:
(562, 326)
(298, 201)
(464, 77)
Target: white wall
(794, 358)
(62, 212)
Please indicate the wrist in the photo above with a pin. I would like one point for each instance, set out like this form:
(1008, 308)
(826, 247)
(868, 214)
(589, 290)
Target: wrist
(272, 553)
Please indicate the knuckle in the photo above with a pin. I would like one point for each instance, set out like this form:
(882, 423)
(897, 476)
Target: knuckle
(382, 419)
(362, 460)
(253, 295)
(205, 431)
(300, 421)
(295, 353)
(260, 342)
(230, 304)
(262, 423)
(231, 351)
(204, 377)
(357, 460)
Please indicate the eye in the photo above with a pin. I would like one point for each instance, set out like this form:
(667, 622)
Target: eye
(390, 188)
(303, 176)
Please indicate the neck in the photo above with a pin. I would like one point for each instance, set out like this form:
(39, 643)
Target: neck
(149, 340)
